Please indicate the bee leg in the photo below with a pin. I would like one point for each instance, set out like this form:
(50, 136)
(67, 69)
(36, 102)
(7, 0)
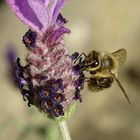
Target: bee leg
(87, 79)
(80, 58)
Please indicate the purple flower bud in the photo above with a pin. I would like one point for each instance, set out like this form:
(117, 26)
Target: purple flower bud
(61, 20)
(29, 39)
(74, 55)
(11, 55)
(77, 95)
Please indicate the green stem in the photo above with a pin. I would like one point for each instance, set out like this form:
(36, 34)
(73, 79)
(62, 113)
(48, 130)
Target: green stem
(64, 130)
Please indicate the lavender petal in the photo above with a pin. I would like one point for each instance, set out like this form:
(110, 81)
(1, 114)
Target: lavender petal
(55, 9)
(31, 12)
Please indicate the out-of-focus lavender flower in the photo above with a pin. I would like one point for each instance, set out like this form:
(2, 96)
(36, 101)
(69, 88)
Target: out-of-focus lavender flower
(48, 80)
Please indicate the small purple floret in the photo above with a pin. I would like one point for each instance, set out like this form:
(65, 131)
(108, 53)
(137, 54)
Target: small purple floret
(54, 36)
(61, 20)
(77, 95)
(29, 38)
(76, 69)
(54, 85)
(51, 104)
(11, 55)
(74, 55)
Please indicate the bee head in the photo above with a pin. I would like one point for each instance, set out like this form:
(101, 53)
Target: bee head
(92, 61)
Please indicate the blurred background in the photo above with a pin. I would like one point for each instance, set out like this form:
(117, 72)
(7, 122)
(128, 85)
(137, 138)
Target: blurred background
(104, 25)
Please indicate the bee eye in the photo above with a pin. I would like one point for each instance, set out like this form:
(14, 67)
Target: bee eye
(92, 72)
(95, 63)
(103, 80)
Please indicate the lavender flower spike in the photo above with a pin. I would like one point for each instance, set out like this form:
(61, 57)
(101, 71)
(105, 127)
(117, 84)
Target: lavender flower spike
(48, 80)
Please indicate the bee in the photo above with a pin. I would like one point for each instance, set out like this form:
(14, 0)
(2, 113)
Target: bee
(102, 69)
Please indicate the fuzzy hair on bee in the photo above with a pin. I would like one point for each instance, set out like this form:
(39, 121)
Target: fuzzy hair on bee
(102, 69)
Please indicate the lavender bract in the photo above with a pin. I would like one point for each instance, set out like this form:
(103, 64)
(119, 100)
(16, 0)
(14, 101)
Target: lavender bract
(48, 80)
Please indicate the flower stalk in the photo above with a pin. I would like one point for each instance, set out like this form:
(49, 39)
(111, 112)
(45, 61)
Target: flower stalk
(64, 130)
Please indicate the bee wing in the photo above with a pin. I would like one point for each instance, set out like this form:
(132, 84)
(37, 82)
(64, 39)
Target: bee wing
(120, 56)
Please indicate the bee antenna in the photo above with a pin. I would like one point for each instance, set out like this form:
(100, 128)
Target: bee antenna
(121, 87)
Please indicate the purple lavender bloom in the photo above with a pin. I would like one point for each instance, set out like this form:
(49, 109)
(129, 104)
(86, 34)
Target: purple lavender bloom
(49, 80)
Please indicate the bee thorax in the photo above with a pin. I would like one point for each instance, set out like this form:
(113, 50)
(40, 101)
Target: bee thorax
(107, 63)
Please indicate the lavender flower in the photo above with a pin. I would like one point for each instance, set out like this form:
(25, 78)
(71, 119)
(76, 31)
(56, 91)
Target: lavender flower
(48, 80)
